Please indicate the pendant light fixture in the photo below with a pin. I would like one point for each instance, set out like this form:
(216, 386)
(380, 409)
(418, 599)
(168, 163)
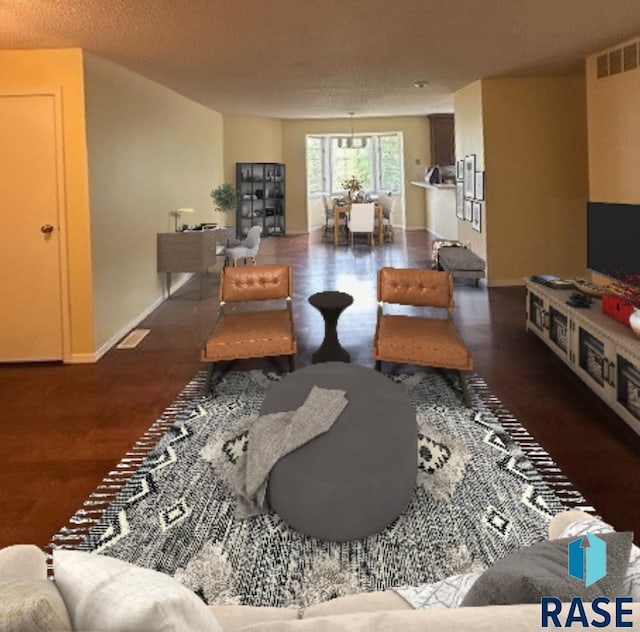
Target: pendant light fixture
(352, 142)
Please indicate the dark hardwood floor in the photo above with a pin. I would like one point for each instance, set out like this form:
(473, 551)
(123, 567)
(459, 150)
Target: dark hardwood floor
(65, 426)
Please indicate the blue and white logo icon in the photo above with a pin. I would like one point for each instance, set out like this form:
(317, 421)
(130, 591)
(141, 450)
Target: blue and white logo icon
(588, 558)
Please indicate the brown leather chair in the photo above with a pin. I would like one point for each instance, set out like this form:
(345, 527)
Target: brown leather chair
(252, 334)
(416, 339)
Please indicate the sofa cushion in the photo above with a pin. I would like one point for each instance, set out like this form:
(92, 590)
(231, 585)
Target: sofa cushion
(541, 569)
(22, 561)
(360, 602)
(523, 618)
(103, 593)
(31, 605)
(233, 618)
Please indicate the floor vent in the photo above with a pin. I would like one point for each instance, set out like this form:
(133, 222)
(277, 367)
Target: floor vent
(618, 60)
(133, 339)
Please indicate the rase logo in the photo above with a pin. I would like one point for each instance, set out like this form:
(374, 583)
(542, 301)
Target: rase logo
(587, 562)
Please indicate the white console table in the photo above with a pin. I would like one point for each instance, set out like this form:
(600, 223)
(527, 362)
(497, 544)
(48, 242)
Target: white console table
(601, 351)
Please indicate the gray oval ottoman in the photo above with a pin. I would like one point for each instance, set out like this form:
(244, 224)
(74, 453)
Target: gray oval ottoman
(355, 479)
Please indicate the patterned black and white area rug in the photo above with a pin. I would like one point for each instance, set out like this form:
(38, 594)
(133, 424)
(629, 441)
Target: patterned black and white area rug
(477, 498)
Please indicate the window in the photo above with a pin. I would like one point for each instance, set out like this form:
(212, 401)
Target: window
(378, 165)
(315, 169)
(389, 172)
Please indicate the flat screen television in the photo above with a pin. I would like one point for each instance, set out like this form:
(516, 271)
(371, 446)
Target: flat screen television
(613, 238)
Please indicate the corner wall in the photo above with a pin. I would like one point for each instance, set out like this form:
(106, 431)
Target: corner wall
(613, 115)
(536, 177)
(470, 139)
(150, 152)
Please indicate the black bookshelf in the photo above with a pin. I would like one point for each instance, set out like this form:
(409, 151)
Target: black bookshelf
(261, 198)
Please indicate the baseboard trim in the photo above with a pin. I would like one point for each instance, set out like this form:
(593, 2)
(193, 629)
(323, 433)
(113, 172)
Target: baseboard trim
(410, 228)
(434, 234)
(88, 358)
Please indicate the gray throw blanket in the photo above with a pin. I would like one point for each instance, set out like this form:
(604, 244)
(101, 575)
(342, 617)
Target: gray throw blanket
(275, 435)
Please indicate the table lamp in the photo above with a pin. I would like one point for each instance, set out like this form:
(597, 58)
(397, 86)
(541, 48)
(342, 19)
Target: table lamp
(175, 214)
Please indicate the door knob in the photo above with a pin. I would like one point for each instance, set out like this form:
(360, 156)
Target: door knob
(46, 229)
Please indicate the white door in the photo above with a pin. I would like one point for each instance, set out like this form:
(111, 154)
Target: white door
(30, 271)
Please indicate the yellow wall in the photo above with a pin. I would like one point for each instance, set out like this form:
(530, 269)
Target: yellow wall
(249, 139)
(151, 151)
(415, 131)
(469, 131)
(32, 70)
(613, 112)
(536, 186)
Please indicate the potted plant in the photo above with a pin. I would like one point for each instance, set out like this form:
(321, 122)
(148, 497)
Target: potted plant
(353, 186)
(225, 198)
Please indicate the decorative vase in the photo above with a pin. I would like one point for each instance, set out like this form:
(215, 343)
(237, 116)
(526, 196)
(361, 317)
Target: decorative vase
(634, 321)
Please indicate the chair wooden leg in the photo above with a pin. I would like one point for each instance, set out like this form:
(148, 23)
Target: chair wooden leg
(234, 263)
(465, 389)
(207, 384)
(254, 260)
(379, 365)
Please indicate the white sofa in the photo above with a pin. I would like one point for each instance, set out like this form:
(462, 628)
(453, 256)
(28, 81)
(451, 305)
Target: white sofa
(22, 566)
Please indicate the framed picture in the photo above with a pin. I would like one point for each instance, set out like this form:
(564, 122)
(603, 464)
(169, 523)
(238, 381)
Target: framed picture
(469, 176)
(476, 221)
(459, 200)
(468, 213)
(479, 188)
(460, 169)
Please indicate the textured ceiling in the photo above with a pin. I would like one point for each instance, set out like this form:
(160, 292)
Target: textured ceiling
(308, 58)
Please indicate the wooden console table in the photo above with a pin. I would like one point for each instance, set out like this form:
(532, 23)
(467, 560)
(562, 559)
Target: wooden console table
(189, 251)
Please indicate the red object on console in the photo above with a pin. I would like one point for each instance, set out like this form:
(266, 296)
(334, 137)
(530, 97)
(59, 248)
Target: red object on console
(617, 307)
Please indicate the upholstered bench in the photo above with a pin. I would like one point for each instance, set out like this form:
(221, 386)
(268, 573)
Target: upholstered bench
(461, 263)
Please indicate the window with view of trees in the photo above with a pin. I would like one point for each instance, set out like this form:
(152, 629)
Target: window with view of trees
(378, 165)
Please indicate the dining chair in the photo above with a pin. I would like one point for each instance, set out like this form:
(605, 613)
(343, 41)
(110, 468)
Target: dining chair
(388, 203)
(252, 334)
(417, 339)
(361, 220)
(248, 249)
(329, 218)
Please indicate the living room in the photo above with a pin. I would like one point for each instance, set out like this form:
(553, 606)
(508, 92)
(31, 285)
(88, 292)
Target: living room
(134, 150)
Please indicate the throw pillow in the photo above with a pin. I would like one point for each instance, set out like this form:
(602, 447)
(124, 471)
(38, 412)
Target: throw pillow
(30, 605)
(631, 582)
(541, 570)
(446, 593)
(104, 593)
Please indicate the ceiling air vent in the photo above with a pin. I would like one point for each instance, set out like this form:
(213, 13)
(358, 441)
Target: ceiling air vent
(615, 61)
(618, 60)
(603, 66)
(630, 57)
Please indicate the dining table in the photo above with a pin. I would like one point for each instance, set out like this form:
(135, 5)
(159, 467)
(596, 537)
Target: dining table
(343, 209)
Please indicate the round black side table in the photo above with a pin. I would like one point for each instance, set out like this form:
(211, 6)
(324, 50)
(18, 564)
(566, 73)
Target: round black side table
(330, 305)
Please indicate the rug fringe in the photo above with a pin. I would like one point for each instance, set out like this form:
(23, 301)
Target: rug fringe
(546, 467)
(78, 526)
